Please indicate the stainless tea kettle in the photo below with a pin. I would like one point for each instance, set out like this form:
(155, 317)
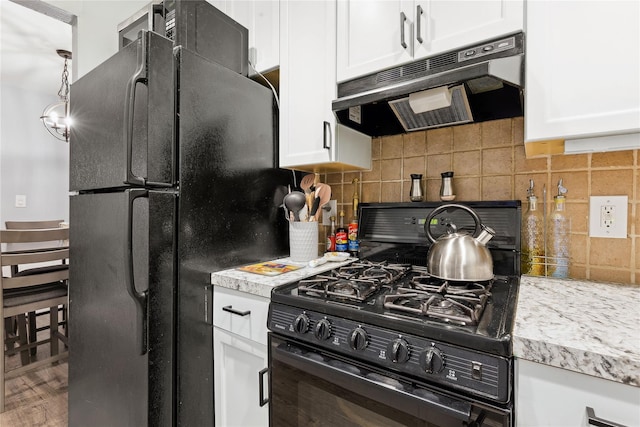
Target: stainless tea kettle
(457, 255)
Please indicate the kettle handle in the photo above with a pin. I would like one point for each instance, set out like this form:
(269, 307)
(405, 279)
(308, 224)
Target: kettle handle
(474, 215)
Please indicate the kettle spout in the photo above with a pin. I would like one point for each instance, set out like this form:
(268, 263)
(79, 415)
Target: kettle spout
(485, 235)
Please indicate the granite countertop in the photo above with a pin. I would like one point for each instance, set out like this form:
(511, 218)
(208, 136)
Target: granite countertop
(582, 326)
(260, 285)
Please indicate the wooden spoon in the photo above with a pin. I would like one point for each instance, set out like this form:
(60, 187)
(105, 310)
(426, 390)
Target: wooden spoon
(323, 195)
(306, 183)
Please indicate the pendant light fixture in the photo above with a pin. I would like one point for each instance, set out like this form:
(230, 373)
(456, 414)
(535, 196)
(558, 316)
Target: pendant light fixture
(55, 117)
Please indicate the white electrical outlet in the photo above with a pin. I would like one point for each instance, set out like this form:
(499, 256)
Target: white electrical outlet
(329, 210)
(21, 201)
(608, 216)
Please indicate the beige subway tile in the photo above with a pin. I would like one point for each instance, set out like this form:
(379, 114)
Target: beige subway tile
(522, 164)
(521, 185)
(405, 191)
(466, 137)
(334, 178)
(579, 214)
(433, 190)
(635, 220)
(612, 159)
(576, 183)
(497, 161)
(517, 125)
(577, 271)
(438, 163)
(610, 275)
(370, 192)
(497, 187)
(466, 162)
(612, 183)
(415, 144)
(374, 174)
(569, 161)
(391, 147)
(413, 165)
(391, 169)
(336, 193)
(496, 133)
(376, 148)
(439, 140)
(637, 189)
(610, 252)
(578, 248)
(350, 176)
(466, 189)
(347, 193)
(390, 192)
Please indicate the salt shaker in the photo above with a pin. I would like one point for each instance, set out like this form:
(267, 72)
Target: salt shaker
(446, 188)
(415, 194)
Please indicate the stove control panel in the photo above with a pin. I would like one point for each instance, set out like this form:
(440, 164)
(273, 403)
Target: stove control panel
(415, 356)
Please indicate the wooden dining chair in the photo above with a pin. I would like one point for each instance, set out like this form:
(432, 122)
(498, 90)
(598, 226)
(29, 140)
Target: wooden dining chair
(12, 325)
(37, 285)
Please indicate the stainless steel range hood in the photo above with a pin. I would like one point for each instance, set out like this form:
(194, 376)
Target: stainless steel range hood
(472, 84)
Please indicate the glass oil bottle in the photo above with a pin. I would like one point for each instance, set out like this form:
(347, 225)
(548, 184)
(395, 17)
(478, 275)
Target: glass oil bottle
(558, 236)
(533, 237)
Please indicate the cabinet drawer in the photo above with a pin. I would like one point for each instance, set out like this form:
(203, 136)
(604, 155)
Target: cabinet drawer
(241, 313)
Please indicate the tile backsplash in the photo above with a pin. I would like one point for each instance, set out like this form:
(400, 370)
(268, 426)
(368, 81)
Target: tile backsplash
(488, 160)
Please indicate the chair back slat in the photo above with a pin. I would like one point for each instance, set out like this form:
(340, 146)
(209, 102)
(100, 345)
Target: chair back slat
(30, 225)
(39, 255)
(34, 279)
(34, 235)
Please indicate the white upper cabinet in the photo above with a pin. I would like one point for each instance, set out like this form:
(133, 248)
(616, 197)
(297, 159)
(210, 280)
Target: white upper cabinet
(310, 138)
(262, 19)
(374, 35)
(582, 69)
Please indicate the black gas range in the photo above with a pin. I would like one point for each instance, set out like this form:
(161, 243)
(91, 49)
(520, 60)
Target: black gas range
(385, 314)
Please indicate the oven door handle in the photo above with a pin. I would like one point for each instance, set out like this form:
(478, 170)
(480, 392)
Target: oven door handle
(371, 384)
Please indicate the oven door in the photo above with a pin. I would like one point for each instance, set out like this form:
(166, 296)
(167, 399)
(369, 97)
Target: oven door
(312, 388)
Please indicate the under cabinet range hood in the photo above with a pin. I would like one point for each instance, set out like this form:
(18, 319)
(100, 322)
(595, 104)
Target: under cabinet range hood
(472, 84)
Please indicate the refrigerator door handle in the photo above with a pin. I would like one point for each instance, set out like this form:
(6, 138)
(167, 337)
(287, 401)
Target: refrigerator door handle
(139, 76)
(140, 298)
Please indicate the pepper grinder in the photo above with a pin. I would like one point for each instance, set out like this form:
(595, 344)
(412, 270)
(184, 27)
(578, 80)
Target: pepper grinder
(446, 188)
(415, 194)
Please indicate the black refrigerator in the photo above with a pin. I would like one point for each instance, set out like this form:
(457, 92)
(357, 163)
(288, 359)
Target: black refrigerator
(173, 176)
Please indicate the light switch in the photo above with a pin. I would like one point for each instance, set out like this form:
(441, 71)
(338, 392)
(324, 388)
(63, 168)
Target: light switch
(21, 201)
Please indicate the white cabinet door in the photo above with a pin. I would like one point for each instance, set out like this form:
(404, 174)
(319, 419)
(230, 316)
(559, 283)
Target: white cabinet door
(548, 396)
(582, 62)
(262, 19)
(370, 36)
(375, 35)
(447, 25)
(309, 137)
(237, 366)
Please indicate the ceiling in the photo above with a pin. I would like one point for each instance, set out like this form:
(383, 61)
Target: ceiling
(28, 44)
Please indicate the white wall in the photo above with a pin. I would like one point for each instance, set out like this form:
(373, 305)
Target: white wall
(32, 162)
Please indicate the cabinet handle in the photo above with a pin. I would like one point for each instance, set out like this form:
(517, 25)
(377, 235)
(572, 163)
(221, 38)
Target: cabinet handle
(599, 422)
(263, 401)
(326, 135)
(232, 310)
(403, 19)
(418, 20)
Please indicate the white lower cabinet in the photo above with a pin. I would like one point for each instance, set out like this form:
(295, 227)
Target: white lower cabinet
(549, 396)
(240, 357)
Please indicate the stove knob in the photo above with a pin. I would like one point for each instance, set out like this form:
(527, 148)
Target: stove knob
(358, 339)
(432, 360)
(301, 324)
(398, 351)
(323, 330)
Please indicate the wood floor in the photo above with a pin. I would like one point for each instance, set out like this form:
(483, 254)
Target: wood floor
(38, 397)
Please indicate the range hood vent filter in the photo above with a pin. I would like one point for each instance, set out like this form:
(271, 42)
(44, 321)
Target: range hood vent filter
(458, 112)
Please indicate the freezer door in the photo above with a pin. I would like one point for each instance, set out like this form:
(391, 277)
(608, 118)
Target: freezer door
(121, 299)
(123, 119)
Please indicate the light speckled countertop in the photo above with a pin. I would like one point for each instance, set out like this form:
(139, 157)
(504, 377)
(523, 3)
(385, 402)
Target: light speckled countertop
(257, 284)
(587, 327)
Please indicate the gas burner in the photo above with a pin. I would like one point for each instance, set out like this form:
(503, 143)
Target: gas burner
(461, 303)
(354, 282)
